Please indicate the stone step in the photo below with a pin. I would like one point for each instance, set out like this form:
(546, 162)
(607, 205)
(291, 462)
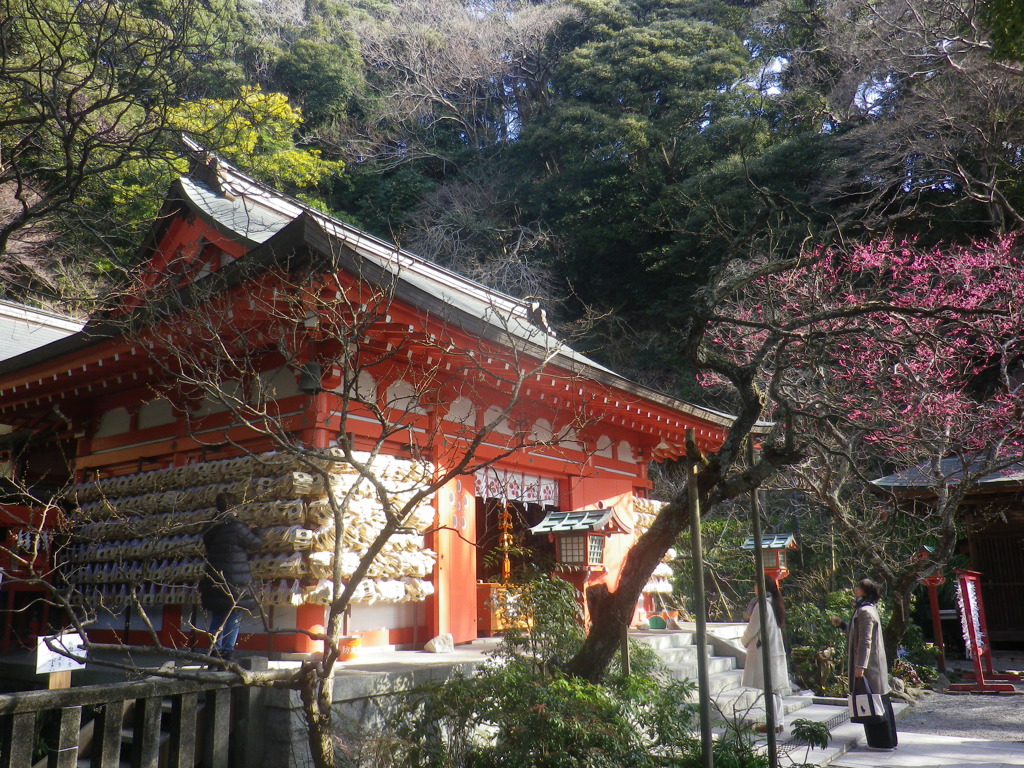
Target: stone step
(732, 702)
(687, 670)
(844, 734)
(734, 705)
(683, 654)
(746, 706)
(718, 683)
(729, 631)
(660, 639)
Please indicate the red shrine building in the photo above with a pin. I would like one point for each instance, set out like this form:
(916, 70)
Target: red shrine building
(263, 348)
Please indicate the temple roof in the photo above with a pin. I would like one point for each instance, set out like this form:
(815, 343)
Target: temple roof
(25, 328)
(234, 202)
(274, 228)
(924, 476)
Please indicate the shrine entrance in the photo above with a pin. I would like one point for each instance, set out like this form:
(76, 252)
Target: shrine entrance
(508, 504)
(506, 548)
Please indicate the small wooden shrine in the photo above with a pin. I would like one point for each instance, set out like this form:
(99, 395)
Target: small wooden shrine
(993, 517)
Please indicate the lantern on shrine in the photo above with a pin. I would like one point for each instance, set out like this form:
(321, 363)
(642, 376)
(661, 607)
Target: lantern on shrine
(580, 536)
(935, 578)
(776, 548)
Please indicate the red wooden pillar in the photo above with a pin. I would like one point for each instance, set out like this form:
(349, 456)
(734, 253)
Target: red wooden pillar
(311, 618)
(451, 608)
(933, 582)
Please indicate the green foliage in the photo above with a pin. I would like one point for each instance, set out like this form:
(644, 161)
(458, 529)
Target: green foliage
(324, 77)
(85, 89)
(811, 733)
(1005, 18)
(520, 710)
(94, 96)
(649, 94)
(256, 131)
(818, 655)
(733, 749)
(546, 621)
(377, 201)
(929, 673)
(217, 31)
(924, 657)
(657, 157)
(510, 716)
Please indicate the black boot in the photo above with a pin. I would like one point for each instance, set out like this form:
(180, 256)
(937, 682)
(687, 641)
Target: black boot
(215, 654)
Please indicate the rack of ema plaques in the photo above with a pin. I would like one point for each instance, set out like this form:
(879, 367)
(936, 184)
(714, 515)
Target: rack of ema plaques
(658, 588)
(976, 639)
(140, 536)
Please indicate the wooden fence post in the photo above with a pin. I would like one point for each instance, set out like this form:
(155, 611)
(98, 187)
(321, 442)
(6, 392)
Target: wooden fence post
(248, 737)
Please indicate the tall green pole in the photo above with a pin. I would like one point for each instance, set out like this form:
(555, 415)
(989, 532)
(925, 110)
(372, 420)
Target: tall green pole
(700, 608)
(762, 611)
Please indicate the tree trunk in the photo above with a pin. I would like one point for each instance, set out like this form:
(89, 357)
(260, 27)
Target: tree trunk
(316, 693)
(894, 631)
(611, 612)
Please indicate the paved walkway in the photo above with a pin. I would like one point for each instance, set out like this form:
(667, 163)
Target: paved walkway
(916, 749)
(955, 730)
(924, 750)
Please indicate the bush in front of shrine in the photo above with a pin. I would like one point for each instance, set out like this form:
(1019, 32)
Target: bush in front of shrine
(521, 710)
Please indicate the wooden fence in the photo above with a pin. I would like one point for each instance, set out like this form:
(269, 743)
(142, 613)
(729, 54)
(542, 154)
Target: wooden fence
(151, 723)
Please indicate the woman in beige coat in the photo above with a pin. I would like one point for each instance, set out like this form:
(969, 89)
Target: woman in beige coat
(753, 667)
(866, 657)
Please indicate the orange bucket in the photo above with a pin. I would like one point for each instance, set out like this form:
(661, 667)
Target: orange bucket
(348, 647)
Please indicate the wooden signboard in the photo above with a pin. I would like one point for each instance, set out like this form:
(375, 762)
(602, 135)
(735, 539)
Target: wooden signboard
(53, 658)
(976, 639)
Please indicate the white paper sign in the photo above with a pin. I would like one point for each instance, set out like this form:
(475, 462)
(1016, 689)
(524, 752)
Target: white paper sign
(52, 659)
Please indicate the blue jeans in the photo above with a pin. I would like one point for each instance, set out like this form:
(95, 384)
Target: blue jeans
(224, 627)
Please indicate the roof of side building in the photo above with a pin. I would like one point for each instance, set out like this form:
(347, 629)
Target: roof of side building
(23, 328)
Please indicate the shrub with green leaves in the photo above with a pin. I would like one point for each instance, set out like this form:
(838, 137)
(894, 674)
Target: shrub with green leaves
(519, 710)
(818, 649)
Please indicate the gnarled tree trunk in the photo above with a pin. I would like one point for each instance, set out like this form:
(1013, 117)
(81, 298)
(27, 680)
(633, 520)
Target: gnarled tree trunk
(611, 612)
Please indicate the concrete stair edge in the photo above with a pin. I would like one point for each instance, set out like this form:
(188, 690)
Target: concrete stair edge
(845, 736)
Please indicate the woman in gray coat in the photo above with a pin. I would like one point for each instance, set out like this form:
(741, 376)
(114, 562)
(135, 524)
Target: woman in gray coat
(866, 658)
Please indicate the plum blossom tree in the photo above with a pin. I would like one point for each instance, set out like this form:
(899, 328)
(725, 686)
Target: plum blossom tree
(924, 382)
(843, 363)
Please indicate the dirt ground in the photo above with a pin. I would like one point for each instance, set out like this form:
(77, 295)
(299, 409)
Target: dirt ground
(999, 717)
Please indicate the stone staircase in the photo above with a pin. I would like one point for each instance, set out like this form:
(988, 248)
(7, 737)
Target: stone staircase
(738, 706)
(732, 702)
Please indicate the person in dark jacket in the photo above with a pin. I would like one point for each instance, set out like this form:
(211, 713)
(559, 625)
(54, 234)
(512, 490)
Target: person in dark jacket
(227, 587)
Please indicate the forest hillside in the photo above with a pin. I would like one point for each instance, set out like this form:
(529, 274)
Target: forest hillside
(601, 156)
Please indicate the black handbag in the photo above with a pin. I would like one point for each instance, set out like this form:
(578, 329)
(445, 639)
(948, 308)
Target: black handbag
(865, 706)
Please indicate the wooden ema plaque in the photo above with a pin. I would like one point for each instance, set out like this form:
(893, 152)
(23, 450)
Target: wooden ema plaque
(972, 620)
